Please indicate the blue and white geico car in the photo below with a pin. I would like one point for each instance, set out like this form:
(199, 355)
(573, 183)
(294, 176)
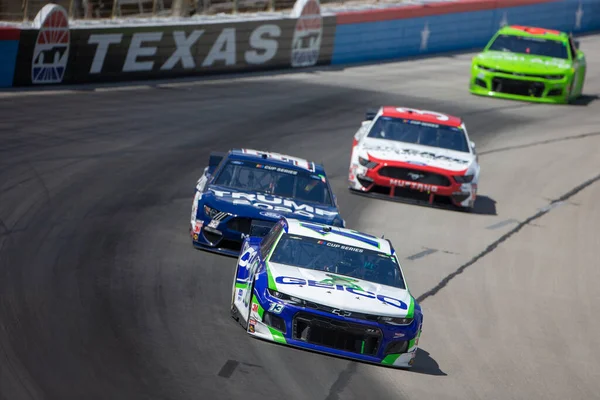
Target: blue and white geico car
(327, 289)
(245, 192)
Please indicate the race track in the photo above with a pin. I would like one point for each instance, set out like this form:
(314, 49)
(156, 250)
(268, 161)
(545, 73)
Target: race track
(104, 297)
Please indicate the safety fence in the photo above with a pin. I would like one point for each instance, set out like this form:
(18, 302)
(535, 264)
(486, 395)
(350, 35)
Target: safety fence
(54, 49)
(25, 10)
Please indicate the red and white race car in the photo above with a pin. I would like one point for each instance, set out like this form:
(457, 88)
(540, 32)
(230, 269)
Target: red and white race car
(407, 154)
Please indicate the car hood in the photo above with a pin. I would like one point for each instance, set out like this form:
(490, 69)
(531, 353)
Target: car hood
(417, 154)
(341, 292)
(522, 63)
(265, 206)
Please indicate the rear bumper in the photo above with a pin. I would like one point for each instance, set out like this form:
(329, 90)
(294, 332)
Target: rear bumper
(524, 88)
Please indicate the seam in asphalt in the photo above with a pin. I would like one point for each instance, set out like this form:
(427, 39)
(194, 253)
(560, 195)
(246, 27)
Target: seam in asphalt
(490, 248)
(540, 143)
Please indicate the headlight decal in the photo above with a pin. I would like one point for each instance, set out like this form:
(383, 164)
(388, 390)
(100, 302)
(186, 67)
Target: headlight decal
(366, 163)
(464, 178)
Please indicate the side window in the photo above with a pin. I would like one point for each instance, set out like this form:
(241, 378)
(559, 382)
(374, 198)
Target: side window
(269, 239)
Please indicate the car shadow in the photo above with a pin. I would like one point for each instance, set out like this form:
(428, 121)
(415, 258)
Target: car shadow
(585, 100)
(425, 364)
(484, 205)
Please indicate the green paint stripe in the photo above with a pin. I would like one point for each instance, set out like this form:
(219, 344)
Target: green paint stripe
(241, 285)
(271, 281)
(277, 336)
(390, 359)
(411, 308)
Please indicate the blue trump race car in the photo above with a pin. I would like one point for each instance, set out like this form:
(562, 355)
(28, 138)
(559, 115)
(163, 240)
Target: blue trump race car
(244, 192)
(327, 289)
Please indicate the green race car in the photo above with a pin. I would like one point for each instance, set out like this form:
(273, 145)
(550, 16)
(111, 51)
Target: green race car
(531, 64)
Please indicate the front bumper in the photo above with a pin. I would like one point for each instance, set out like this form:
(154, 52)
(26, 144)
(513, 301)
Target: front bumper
(327, 333)
(485, 82)
(446, 192)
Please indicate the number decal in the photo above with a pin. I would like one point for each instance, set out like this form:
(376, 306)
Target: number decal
(276, 308)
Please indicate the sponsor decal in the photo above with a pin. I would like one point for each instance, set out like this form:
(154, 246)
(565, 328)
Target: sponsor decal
(421, 187)
(51, 50)
(240, 293)
(554, 62)
(269, 214)
(251, 325)
(213, 223)
(308, 33)
(247, 257)
(254, 307)
(298, 162)
(391, 301)
(198, 226)
(344, 247)
(411, 152)
(345, 233)
(269, 202)
(219, 49)
(398, 335)
(195, 236)
(277, 169)
(341, 280)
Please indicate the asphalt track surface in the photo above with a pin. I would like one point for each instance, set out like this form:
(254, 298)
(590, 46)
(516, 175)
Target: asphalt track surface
(103, 296)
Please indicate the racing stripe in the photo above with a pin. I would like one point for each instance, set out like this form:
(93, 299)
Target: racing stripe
(277, 336)
(390, 359)
(411, 308)
(271, 283)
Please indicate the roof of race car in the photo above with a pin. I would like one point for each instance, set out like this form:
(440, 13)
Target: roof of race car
(533, 31)
(432, 117)
(282, 160)
(343, 236)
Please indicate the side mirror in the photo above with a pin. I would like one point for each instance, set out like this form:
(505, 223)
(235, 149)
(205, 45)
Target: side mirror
(576, 43)
(472, 143)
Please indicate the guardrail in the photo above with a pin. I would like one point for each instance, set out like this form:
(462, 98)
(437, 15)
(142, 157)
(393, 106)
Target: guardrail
(49, 51)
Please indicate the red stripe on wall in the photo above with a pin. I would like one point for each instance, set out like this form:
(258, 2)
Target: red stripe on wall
(425, 10)
(8, 33)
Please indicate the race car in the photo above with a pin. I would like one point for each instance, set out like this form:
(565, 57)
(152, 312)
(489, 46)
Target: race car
(327, 289)
(530, 64)
(244, 192)
(417, 156)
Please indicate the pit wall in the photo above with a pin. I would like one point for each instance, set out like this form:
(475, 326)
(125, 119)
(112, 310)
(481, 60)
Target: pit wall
(52, 52)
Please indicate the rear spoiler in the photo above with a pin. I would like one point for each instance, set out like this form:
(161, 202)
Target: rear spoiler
(371, 113)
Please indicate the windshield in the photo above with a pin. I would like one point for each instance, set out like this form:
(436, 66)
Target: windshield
(530, 45)
(323, 255)
(423, 133)
(264, 178)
